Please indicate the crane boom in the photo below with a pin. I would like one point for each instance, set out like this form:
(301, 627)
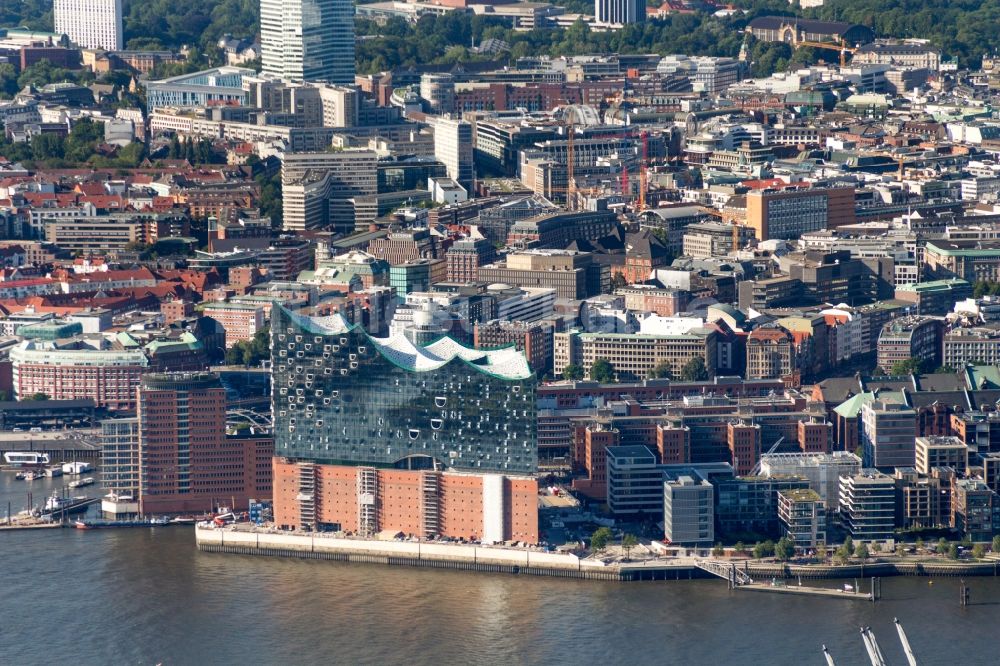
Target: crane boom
(829, 657)
(756, 468)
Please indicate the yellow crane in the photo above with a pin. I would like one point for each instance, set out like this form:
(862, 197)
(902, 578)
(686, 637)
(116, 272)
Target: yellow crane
(832, 46)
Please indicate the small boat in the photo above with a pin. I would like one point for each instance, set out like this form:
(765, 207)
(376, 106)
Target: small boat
(20, 476)
(57, 504)
(80, 483)
(183, 520)
(107, 524)
(31, 476)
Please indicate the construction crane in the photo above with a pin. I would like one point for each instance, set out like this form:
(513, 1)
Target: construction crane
(756, 468)
(829, 657)
(832, 46)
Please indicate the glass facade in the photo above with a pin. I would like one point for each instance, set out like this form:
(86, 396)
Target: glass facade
(343, 397)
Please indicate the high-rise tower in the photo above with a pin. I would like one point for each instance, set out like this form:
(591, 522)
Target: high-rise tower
(308, 40)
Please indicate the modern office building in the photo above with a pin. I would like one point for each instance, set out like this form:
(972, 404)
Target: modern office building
(979, 345)
(120, 456)
(221, 85)
(187, 463)
(574, 275)
(453, 146)
(438, 91)
(90, 24)
(634, 355)
(787, 214)
(974, 507)
(308, 40)
(940, 451)
(868, 505)
(619, 12)
(635, 481)
(376, 434)
(803, 517)
(688, 510)
(318, 188)
(749, 505)
(888, 433)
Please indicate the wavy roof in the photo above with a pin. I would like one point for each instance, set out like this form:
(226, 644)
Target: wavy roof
(506, 362)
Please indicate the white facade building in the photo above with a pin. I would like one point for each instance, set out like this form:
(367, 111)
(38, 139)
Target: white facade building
(91, 24)
(453, 146)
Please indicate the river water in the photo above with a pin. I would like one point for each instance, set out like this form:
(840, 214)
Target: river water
(147, 596)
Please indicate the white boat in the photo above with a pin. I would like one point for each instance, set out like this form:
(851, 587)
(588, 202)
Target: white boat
(31, 476)
(57, 504)
(76, 467)
(53, 472)
(80, 483)
(25, 458)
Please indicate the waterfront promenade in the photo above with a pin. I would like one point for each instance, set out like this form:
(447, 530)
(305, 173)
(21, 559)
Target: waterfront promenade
(532, 561)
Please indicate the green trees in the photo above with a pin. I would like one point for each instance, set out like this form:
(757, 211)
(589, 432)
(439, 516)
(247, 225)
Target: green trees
(996, 544)
(629, 541)
(661, 370)
(82, 139)
(8, 80)
(602, 371)
(765, 549)
(44, 72)
(953, 551)
(600, 539)
(572, 372)
(37, 397)
(784, 549)
(251, 352)
(718, 550)
(47, 146)
(740, 548)
(979, 551)
(694, 370)
(845, 551)
(985, 288)
(910, 366)
(270, 196)
(861, 552)
(33, 14)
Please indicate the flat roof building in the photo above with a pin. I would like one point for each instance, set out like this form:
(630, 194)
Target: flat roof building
(688, 510)
(868, 505)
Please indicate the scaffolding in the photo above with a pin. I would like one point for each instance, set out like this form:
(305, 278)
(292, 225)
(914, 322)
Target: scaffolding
(430, 484)
(367, 507)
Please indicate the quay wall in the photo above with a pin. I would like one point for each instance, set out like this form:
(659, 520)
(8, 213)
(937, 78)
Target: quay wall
(532, 562)
(405, 553)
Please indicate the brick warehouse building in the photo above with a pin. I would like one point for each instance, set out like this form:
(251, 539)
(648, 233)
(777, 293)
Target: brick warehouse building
(376, 435)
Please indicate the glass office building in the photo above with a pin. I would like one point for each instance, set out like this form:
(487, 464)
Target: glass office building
(342, 397)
